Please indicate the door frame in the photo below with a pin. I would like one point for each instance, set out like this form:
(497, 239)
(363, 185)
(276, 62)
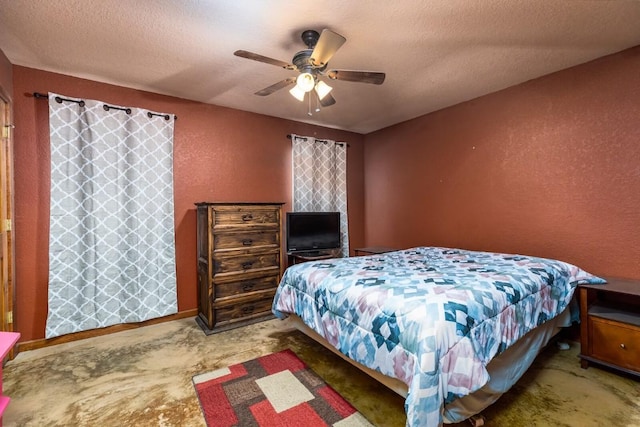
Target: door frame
(7, 243)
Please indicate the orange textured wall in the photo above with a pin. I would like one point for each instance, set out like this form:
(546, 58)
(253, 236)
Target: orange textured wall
(220, 154)
(550, 168)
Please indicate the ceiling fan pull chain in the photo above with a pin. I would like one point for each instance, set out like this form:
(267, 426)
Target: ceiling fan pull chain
(309, 110)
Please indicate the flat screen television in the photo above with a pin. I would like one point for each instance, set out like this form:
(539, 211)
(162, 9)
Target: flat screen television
(312, 232)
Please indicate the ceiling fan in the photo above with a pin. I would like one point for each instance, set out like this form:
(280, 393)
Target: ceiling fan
(311, 63)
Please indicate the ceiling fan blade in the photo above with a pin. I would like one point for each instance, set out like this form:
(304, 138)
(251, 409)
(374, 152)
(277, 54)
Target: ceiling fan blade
(372, 77)
(327, 100)
(328, 43)
(277, 86)
(265, 59)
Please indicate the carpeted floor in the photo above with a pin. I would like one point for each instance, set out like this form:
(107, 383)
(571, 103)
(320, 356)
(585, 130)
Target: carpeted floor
(143, 377)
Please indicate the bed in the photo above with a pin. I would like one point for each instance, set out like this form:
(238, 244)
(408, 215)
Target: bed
(449, 329)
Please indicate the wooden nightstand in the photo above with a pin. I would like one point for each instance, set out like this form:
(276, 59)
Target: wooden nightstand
(610, 325)
(373, 250)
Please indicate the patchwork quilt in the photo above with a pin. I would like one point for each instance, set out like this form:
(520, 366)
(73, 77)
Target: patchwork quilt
(431, 317)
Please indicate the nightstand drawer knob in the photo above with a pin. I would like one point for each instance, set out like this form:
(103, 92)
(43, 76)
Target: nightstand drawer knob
(623, 346)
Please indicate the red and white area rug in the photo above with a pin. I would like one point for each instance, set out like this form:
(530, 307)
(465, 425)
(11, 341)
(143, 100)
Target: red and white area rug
(273, 390)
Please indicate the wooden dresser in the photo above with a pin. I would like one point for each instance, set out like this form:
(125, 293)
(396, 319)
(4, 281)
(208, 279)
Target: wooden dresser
(610, 325)
(239, 249)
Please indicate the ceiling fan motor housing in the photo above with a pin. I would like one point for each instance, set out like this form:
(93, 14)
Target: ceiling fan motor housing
(302, 61)
(310, 38)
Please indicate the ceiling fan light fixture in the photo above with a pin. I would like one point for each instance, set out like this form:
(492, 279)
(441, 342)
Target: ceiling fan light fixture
(297, 93)
(305, 82)
(322, 89)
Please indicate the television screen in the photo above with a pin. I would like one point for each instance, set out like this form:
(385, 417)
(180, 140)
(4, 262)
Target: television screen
(312, 231)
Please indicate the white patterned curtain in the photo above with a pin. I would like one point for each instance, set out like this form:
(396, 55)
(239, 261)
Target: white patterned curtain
(111, 241)
(320, 179)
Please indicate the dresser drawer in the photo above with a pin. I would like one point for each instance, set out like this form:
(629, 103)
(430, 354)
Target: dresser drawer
(245, 262)
(614, 342)
(246, 239)
(234, 216)
(245, 309)
(241, 287)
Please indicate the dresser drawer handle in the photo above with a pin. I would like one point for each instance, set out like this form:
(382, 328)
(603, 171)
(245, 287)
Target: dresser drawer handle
(622, 346)
(247, 217)
(247, 265)
(248, 309)
(247, 242)
(247, 287)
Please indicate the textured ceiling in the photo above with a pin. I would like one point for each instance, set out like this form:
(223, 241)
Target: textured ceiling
(435, 53)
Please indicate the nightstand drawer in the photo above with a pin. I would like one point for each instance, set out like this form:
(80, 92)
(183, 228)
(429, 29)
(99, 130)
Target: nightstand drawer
(614, 342)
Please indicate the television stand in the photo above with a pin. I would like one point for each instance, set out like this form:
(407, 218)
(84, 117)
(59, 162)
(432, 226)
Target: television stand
(298, 257)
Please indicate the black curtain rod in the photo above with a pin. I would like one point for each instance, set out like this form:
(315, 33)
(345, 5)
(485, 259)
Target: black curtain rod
(111, 107)
(57, 98)
(324, 141)
(105, 106)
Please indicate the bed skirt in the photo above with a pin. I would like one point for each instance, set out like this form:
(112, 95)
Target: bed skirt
(505, 369)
